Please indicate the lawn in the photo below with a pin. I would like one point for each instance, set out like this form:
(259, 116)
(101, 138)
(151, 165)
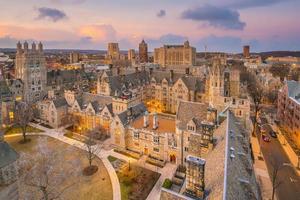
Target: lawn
(15, 130)
(97, 186)
(136, 182)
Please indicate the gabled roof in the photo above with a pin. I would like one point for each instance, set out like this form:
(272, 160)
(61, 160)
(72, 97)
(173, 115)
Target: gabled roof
(7, 154)
(137, 111)
(294, 90)
(190, 110)
(59, 102)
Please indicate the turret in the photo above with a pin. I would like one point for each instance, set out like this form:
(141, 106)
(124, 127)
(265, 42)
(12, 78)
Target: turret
(25, 46)
(19, 47)
(33, 46)
(40, 47)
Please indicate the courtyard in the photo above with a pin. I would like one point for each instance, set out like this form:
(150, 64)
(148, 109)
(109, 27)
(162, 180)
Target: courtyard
(97, 186)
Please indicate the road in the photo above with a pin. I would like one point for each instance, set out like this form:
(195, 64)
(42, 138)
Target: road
(289, 188)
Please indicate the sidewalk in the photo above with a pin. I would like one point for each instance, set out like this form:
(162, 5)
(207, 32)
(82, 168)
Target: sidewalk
(261, 171)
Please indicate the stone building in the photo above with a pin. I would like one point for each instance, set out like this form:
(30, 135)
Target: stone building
(172, 55)
(131, 56)
(8, 170)
(289, 109)
(31, 69)
(161, 91)
(195, 170)
(143, 52)
(74, 57)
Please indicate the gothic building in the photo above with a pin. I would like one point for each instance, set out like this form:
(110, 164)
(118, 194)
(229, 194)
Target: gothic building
(31, 69)
(143, 52)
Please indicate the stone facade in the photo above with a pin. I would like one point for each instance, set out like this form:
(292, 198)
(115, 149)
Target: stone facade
(169, 55)
(143, 52)
(31, 69)
(288, 111)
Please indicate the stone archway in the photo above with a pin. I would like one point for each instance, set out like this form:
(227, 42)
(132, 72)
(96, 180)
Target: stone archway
(172, 158)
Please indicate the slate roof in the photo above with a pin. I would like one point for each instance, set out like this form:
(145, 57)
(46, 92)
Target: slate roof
(137, 111)
(97, 101)
(134, 80)
(59, 102)
(190, 110)
(240, 181)
(294, 90)
(7, 154)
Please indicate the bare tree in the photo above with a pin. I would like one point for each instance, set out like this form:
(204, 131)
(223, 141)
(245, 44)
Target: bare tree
(46, 174)
(276, 167)
(92, 149)
(22, 116)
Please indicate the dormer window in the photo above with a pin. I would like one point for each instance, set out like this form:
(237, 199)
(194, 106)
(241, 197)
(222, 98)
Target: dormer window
(191, 128)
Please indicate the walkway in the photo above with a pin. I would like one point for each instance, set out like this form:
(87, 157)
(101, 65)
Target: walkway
(58, 134)
(166, 172)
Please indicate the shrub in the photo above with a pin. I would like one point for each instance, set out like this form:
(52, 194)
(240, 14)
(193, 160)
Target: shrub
(167, 183)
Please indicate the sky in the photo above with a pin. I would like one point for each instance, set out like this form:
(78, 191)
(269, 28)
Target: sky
(220, 25)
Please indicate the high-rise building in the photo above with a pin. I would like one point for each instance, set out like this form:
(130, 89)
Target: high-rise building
(74, 57)
(175, 55)
(31, 69)
(246, 51)
(143, 52)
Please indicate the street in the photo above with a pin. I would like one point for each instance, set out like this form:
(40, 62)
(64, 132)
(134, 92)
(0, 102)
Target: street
(289, 187)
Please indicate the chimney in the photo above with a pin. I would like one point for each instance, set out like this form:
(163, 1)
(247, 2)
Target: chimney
(136, 69)
(187, 71)
(155, 121)
(151, 71)
(171, 75)
(146, 119)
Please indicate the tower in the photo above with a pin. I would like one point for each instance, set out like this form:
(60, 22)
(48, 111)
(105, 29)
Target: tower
(246, 51)
(31, 69)
(143, 52)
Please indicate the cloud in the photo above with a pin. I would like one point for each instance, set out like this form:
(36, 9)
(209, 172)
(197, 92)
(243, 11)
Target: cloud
(161, 13)
(68, 1)
(102, 32)
(219, 17)
(52, 14)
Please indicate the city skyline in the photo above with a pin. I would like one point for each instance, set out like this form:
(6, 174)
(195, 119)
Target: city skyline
(89, 24)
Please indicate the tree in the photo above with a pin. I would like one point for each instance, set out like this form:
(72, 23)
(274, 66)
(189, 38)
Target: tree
(280, 71)
(22, 116)
(276, 167)
(46, 174)
(92, 149)
(256, 92)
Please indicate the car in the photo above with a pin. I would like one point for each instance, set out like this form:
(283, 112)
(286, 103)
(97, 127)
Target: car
(266, 138)
(273, 134)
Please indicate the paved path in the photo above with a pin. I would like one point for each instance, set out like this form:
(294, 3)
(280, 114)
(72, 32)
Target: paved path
(58, 134)
(166, 172)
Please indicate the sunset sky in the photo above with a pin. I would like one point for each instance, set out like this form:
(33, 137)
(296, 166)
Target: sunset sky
(222, 25)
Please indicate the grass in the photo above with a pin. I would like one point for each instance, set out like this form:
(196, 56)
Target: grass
(97, 186)
(137, 182)
(16, 130)
(112, 159)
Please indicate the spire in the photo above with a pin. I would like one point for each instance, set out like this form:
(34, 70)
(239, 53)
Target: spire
(33, 46)
(40, 47)
(25, 46)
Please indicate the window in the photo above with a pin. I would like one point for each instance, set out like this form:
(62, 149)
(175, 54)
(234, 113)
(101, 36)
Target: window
(186, 149)
(156, 149)
(136, 135)
(156, 139)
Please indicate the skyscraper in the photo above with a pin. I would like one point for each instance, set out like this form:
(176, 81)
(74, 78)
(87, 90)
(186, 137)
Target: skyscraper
(143, 52)
(31, 69)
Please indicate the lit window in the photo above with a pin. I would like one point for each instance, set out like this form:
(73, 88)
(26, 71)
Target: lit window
(156, 139)
(11, 115)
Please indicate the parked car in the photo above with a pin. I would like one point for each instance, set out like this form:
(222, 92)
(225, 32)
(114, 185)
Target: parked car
(266, 138)
(273, 134)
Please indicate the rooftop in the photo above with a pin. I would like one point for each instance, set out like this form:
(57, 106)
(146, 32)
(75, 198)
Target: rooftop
(166, 124)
